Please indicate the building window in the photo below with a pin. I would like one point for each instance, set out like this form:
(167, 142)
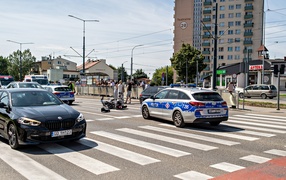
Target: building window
(237, 23)
(231, 7)
(221, 24)
(237, 57)
(67, 63)
(230, 40)
(221, 32)
(229, 49)
(49, 62)
(230, 23)
(220, 41)
(238, 6)
(229, 57)
(230, 31)
(220, 57)
(237, 40)
(221, 8)
(59, 62)
(237, 14)
(221, 16)
(222, 0)
(220, 49)
(237, 31)
(237, 48)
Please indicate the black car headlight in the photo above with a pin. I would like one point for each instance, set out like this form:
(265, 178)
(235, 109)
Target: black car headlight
(28, 121)
(80, 118)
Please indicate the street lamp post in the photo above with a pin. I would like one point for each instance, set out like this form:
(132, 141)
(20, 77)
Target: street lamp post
(83, 46)
(20, 55)
(122, 71)
(132, 59)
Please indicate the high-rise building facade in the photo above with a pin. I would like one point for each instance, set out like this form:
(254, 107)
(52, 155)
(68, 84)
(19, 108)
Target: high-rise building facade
(239, 29)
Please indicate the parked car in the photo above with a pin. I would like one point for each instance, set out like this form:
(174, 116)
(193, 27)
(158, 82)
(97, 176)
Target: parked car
(149, 91)
(15, 84)
(186, 105)
(63, 92)
(33, 116)
(258, 90)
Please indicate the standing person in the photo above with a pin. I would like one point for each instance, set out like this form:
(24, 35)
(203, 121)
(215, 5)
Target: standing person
(115, 91)
(120, 90)
(71, 86)
(142, 84)
(129, 90)
(230, 87)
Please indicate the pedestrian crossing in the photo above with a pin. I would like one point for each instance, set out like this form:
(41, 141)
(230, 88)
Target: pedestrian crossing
(184, 142)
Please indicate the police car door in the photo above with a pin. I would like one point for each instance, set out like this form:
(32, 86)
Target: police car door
(169, 103)
(155, 108)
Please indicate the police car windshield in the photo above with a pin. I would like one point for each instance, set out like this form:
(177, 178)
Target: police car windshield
(207, 96)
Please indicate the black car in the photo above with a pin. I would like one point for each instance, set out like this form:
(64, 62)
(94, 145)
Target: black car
(149, 91)
(33, 116)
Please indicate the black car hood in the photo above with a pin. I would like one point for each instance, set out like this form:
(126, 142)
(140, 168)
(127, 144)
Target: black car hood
(43, 113)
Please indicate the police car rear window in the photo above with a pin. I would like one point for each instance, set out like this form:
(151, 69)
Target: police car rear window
(62, 89)
(207, 96)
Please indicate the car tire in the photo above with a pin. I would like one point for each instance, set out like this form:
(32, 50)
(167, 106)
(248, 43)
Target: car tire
(215, 123)
(241, 96)
(270, 97)
(263, 96)
(178, 119)
(145, 112)
(13, 137)
(70, 102)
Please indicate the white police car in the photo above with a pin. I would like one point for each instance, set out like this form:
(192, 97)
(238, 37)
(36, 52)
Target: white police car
(63, 92)
(186, 105)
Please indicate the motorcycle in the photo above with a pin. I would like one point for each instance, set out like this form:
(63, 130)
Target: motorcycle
(112, 104)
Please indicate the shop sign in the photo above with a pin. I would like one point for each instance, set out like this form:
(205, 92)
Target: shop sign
(255, 67)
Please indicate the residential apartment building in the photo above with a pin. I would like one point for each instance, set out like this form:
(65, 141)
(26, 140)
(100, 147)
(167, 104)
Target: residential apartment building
(239, 34)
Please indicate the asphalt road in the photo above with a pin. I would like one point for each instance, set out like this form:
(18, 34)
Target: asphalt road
(122, 145)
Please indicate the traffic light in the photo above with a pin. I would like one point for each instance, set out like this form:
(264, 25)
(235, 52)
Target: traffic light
(282, 69)
(275, 69)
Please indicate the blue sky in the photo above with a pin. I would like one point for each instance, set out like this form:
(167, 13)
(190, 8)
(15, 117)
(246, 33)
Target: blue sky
(122, 25)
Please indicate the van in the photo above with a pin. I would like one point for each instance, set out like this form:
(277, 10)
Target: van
(258, 90)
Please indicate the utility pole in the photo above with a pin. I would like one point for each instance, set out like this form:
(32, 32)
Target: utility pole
(215, 50)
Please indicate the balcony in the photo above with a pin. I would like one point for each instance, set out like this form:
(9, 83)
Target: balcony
(248, 25)
(207, 28)
(207, 3)
(246, 51)
(206, 44)
(247, 42)
(246, 8)
(206, 36)
(207, 11)
(248, 33)
(207, 19)
(248, 1)
(207, 60)
(206, 52)
(250, 16)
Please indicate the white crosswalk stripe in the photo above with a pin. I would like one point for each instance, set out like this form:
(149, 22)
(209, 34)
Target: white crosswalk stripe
(276, 152)
(228, 167)
(143, 144)
(193, 175)
(267, 116)
(256, 159)
(78, 159)
(169, 139)
(191, 135)
(259, 121)
(119, 152)
(26, 166)
(231, 129)
(231, 119)
(254, 128)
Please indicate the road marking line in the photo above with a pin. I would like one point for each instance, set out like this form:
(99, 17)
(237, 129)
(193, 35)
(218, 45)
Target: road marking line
(143, 144)
(228, 167)
(268, 116)
(191, 135)
(119, 152)
(257, 124)
(259, 121)
(233, 129)
(255, 159)
(89, 120)
(255, 128)
(190, 144)
(26, 166)
(85, 162)
(105, 119)
(225, 134)
(276, 152)
(193, 175)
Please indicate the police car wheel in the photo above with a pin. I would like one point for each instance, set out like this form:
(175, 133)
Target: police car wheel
(178, 119)
(215, 123)
(145, 112)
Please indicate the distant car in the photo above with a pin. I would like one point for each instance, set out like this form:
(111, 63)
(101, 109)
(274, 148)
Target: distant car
(24, 85)
(186, 105)
(258, 90)
(33, 116)
(149, 91)
(63, 92)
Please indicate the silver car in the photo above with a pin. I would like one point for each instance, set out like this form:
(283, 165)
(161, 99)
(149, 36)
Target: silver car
(258, 90)
(186, 105)
(16, 84)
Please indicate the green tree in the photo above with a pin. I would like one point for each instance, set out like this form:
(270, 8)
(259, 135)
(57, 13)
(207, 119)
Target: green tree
(185, 61)
(157, 76)
(139, 73)
(28, 62)
(121, 70)
(4, 66)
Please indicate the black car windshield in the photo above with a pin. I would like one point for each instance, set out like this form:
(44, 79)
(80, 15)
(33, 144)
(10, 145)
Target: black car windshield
(207, 96)
(34, 98)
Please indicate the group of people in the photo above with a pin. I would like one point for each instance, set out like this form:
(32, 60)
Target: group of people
(119, 91)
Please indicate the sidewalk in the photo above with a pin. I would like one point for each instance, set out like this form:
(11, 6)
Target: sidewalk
(272, 170)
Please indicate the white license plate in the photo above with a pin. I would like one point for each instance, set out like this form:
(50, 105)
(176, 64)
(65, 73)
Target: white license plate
(61, 133)
(214, 111)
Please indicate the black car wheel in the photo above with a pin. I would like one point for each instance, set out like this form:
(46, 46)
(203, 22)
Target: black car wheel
(145, 112)
(13, 137)
(215, 123)
(70, 102)
(263, 96)
(178, 119)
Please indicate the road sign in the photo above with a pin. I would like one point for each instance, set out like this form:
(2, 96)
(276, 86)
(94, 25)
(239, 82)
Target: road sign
(221, 71)
(234, 76)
